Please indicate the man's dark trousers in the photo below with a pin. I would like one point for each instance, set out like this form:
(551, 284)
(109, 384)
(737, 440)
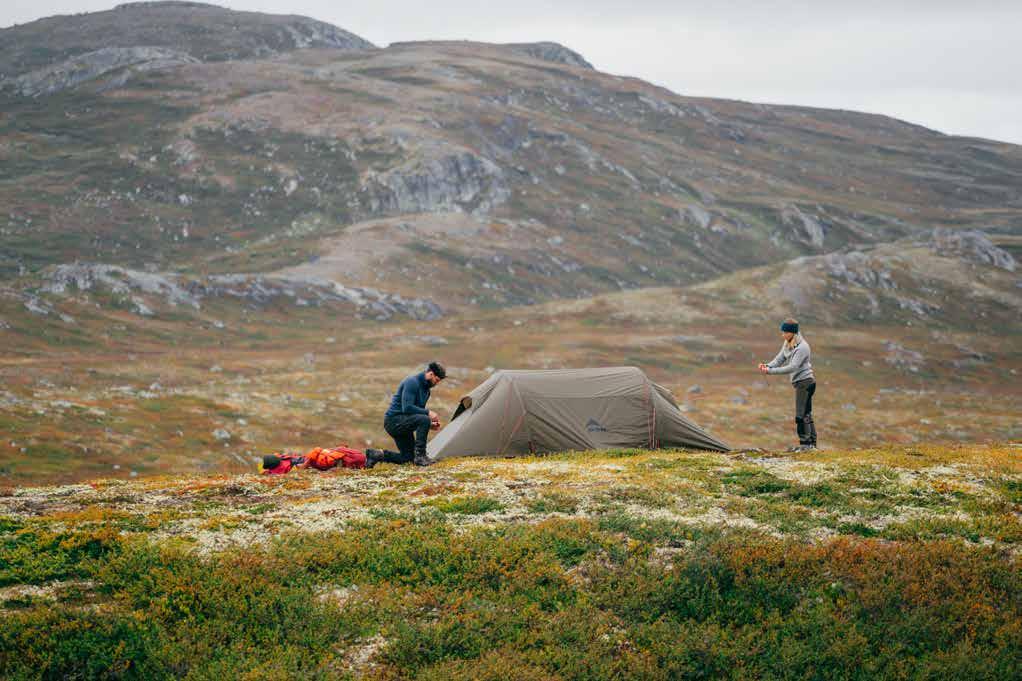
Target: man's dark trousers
(409, 432)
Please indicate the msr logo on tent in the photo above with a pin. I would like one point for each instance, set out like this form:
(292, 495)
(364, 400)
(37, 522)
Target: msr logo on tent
(594, 427)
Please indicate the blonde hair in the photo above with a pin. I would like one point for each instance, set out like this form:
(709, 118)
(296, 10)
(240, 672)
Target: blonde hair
(794, 339)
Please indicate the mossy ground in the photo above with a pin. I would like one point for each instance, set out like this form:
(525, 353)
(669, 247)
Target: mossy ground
(887, 563)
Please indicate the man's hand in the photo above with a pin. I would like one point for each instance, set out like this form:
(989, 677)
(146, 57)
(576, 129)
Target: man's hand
(434, 421)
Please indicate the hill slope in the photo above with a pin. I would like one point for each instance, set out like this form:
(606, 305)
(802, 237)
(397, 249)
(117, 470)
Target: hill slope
(201, 31)
(460, 171)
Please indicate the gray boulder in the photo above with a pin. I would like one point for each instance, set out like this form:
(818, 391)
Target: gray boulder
(858, 268)
(805, 227)
(461, 182)
(973, 245)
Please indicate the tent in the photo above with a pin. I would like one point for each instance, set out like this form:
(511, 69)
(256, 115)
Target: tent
(525, 412)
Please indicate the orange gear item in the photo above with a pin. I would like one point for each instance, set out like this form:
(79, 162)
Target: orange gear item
(325, 459)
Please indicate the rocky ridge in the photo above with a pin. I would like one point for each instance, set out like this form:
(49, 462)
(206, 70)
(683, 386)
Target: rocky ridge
(93, 65)
(553, 52)
(144, 290)
(938, 278)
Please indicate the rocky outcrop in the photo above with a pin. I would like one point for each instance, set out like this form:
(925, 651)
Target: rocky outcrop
(805, 227)
(550, 51)
(93, 65)
(304, 292)
(173, 290)
(461, 182)
(972, 245)
(697, 215)
(859, 269)
(118, 280)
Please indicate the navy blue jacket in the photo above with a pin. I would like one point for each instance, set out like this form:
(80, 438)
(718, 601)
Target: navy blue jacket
(411, 397)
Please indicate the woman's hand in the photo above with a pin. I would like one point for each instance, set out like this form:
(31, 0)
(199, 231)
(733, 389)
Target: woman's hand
(763, 368)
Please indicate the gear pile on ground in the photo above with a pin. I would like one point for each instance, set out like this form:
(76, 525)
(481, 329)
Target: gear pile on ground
(318, 458)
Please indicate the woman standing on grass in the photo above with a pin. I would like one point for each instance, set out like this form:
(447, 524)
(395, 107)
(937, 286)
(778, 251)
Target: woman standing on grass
(794, 359)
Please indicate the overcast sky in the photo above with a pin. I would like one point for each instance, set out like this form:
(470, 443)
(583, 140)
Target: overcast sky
(950, 65)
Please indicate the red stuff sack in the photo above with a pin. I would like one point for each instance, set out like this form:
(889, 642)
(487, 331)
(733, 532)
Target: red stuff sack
(325, 459)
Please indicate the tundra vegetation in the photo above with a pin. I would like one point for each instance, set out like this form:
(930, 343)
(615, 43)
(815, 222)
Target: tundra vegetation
(896, 562)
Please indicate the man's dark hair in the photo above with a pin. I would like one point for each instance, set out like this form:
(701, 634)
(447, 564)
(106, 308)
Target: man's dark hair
(437, 369)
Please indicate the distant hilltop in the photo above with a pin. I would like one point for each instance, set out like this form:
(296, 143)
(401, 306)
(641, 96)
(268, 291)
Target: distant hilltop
(544, 50)
(269, 159)
(197, 30)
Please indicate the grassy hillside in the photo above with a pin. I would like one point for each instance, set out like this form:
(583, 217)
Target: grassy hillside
(890, 563)
(470, 173)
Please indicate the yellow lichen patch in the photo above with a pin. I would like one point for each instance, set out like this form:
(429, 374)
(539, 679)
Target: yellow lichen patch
(220, 523)
(1000, 459)
(306, 500)
(434, 490)
(88, 514)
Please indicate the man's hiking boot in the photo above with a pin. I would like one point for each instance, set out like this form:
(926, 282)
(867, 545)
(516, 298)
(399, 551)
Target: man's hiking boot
(373, 457)
(422, 460)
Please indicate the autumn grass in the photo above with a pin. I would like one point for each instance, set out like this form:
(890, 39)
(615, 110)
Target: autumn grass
(559, 599)
(999, 459)
(467, 505)
(293, 389)
(624, 564)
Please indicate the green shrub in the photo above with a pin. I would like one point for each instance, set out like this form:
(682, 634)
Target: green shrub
(559, 599)
(469, 505)
(34, 556)
(751, 481)
(553, 502)
(54, 643)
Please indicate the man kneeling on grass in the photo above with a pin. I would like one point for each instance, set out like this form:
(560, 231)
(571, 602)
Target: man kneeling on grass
(408, 421)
